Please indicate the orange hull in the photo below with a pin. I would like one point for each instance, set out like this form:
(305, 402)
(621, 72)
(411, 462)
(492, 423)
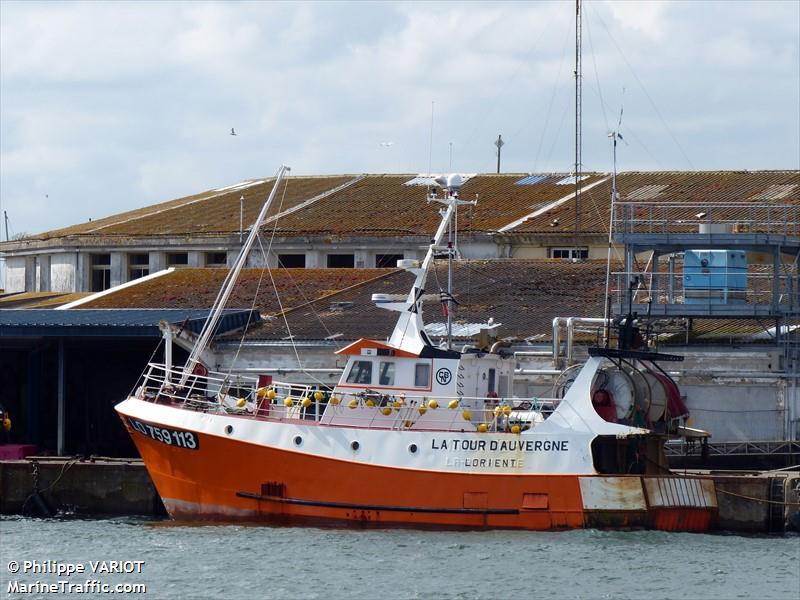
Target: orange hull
(227, 480)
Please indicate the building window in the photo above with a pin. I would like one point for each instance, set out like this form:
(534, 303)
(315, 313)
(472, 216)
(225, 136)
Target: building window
(360, 372)
(422, 375)
(292, 261)
(386, 374)
(341, 261)
(138, 265)
(569, 253)
(101, 272)
(387, 261)
(177, 259)
(216, 259)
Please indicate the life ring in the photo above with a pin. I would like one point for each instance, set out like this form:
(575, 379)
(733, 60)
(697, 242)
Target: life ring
(200, 370)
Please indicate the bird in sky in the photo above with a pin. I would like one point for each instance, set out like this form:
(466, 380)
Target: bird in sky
(232, 131)
(386, 144)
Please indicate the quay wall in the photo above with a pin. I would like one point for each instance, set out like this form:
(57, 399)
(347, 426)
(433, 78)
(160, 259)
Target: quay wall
(753, 503)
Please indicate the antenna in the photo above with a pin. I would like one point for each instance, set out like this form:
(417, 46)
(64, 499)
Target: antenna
(5, 218)
(430, 145)
(499, 143)
(614, 135)
(578, 106)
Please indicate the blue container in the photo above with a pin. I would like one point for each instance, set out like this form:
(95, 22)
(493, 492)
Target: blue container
(714, 277)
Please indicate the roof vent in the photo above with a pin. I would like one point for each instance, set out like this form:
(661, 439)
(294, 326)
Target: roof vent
(408, 263)
(341, 306)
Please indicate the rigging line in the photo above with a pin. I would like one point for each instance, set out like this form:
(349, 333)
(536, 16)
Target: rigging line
(630, 133)
(503, 90)
(229, 374)
(552, 100)
(252, 308)
(275, 288)
(641, 85)
(596, 75)
(557, 137)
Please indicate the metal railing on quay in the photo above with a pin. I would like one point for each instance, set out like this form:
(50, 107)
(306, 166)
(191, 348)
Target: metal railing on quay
(688, 217)
(757, 288)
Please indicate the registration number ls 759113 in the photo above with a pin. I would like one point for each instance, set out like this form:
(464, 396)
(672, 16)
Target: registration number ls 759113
(165, 435)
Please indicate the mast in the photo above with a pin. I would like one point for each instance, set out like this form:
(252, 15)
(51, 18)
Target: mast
(578, 123)
(230, 281)
(409, 332)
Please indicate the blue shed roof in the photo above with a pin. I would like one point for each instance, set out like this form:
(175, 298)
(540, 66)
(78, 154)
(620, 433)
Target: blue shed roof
(125, 322)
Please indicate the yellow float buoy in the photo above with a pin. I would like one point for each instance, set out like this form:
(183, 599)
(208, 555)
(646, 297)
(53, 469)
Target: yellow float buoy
(483, 428)
(335, 400)
(498, 410)
(370, 403)
(305, 402)
(241, 402)
(452, 404)
(422, 409)
(515, 429)
(288, 402)
(261, 392)
(7, 424)
(353, 403)
(467, 415)
(318, 396)
(433, 404)
(386, 410)
(397, 404)
(272, 394)
(506, 410)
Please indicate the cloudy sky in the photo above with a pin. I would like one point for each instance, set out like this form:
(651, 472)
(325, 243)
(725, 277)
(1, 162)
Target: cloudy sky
(110, 106)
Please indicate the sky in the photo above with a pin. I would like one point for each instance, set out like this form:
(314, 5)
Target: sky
(110, 106)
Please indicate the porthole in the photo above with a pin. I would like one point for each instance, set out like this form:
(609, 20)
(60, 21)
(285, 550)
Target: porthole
(298, 440)
(412, 448)
(355, 445)
(229, 429)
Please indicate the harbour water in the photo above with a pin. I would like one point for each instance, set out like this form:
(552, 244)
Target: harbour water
(234, 561)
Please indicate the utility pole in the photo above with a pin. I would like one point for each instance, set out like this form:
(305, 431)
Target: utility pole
(5, 218)
(499, 143)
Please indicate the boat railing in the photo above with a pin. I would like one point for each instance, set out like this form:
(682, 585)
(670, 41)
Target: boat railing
(245, 396)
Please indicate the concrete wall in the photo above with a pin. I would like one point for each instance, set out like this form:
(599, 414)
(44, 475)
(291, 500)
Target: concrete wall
(15, 274)
(62, 272)
(737, 411)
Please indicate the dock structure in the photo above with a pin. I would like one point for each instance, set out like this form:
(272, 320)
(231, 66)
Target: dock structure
(749, 502)
(725, 261)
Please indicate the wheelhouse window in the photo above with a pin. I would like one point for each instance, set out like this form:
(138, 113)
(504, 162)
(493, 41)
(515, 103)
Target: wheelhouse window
(387, 261)
(422, 375)
(341, 261)
(386, 374)
(177, 259)
(292, 261)
(360, 372)
(138, 265)
(569, 253)
(216, 259)
(101, 272)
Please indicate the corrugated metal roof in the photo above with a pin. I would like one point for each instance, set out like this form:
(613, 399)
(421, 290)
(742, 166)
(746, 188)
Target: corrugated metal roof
(113, 323)
(198, 288)
(523, 295)
(211, 212)
(712, 187)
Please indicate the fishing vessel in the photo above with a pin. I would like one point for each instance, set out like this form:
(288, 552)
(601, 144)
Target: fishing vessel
(418, 435)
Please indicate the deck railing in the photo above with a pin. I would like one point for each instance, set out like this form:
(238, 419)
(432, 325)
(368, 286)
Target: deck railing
(241, 395)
